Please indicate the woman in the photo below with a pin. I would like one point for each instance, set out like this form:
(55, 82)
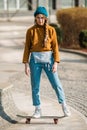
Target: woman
(41, 52)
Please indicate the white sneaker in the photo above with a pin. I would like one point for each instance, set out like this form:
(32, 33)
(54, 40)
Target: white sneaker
(66, 110)
(37, 113)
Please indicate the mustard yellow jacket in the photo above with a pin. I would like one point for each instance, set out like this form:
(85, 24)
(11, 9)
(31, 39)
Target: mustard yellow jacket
(34, 39)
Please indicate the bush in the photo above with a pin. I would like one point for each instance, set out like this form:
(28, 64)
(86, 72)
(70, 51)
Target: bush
(58, 32)
(72, 21)
(83, 38)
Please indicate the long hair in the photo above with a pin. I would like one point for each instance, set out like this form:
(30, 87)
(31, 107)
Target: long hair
(44, 44)
(45, 34)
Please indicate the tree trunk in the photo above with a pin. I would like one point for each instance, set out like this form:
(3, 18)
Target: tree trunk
(29, 4)
(54, 4)
(76, 3)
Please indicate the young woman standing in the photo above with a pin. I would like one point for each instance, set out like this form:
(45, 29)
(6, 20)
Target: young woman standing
(41, 52)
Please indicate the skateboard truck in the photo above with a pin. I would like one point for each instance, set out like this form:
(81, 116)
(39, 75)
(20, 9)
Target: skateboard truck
(28, 120)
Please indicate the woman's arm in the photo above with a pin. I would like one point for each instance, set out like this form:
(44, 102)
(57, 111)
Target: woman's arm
(27, 47)
(55, 47)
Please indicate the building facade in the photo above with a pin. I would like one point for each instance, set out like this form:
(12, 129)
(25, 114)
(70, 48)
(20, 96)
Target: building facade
(13, 5)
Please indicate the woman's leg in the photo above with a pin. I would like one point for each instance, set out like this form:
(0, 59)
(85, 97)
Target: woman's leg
(35, 69)
(55, 82)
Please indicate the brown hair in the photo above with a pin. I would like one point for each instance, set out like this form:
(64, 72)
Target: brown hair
(44, 44)
(45, 34)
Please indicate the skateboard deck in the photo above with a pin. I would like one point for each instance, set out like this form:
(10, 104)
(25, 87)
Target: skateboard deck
(29, 118)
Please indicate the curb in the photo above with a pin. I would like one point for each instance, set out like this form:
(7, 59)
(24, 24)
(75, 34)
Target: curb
(8, 108)
(74, 51)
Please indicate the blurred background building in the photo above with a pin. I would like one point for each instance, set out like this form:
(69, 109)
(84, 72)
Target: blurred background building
(12, 6)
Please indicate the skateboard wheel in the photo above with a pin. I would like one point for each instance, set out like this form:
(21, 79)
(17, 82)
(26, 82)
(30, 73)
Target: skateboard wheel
(55, 121)
(27, 121)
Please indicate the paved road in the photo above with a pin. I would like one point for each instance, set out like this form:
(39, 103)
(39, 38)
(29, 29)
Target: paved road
(72, 70)
(73, 77)
(73, 74)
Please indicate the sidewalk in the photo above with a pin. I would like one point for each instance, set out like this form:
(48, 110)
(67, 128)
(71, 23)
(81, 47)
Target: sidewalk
(22, 99)
(12, 70)
(49, 107)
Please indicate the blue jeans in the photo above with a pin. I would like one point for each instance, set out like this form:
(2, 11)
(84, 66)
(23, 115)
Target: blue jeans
(36, 69)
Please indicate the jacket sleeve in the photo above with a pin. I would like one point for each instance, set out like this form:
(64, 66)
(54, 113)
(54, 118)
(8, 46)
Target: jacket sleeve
(55, 47)
(27, 47)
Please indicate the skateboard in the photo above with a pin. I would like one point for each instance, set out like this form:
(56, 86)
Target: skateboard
(29, 118)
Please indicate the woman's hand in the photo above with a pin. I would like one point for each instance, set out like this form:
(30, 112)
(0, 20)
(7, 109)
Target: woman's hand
(27, 69)
(54, 67)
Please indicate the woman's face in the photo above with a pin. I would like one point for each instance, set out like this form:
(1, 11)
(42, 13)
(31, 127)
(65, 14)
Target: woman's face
(40, 19)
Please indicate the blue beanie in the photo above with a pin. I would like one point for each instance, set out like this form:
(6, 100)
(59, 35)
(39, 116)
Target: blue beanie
(41, 10)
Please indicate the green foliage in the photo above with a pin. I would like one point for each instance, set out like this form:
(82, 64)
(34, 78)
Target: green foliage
(58, 32)
(83, 38)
